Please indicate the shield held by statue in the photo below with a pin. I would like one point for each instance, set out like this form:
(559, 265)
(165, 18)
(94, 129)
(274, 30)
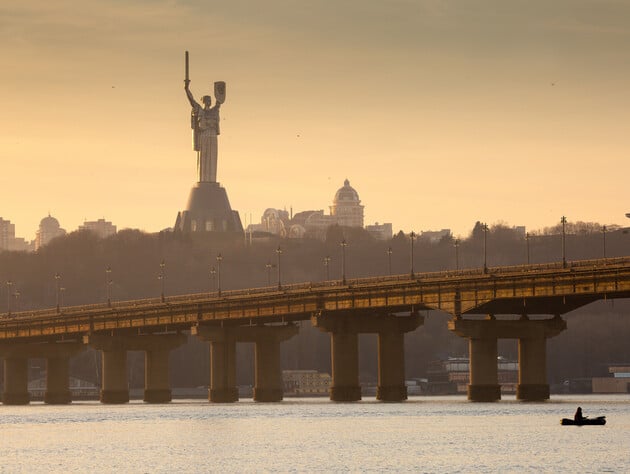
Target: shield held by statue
(219, 91)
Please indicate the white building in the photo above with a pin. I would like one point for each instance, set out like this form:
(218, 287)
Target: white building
(49, 228)
(101, 227)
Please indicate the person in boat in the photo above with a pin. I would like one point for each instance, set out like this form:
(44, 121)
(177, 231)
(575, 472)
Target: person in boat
(578, 415)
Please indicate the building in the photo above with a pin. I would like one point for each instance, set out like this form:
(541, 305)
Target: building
(452, 376)
(435, 236)
(101, 228)
(380, 231)
(346, 207)
(305, 383)
(346, 210)
(619, 382)
(8, 240)
(49, 229)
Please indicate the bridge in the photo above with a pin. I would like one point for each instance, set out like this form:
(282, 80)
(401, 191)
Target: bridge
(388, 306)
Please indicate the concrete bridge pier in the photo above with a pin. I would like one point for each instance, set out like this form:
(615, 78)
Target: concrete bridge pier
(532, 358)
(57, 372)
(15, 381)
(115, 386)
(268, 386)
(484, 381)
(391, 355)
(532, 364)
(223, 387)
(57, 356)
(157, 386)
(344, 329)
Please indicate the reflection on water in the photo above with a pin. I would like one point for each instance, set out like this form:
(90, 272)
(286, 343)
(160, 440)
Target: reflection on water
(445, 434)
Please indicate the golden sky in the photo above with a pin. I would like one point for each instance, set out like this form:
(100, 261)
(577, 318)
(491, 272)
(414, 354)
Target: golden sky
(439, 112)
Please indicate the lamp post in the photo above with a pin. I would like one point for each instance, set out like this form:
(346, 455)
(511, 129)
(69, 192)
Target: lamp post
(57, 278)
(456, 245)
(219, 260)
(389, 261)
(604, 239)
(484, 227)
(344, 244)
(563, 221)
(108, 282)
(413, 236)
(9, 285)
(162, 277)
(62, 290)
(17, 301)
(279, 253)
(268, 266)
(527, 245)
(327, 266)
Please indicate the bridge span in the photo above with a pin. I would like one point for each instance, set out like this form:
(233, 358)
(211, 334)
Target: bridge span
(388, 306)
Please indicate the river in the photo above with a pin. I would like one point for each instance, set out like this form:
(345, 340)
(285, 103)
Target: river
(424, 434)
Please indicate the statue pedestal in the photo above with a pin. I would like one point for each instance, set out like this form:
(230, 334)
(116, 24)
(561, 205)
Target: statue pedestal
(208, 210)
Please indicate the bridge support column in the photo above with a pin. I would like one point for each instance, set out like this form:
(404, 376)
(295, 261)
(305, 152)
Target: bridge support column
(57, 381)
(268, 386)
(223, 387)
(157, 386)
(344, 353)
(532, 369)
(484, 381)
(391, 367)
(15, 381)
(114, 385)
(532, 336)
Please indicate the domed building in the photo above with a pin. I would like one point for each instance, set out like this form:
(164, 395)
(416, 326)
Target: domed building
(49, 228)
(346, 207)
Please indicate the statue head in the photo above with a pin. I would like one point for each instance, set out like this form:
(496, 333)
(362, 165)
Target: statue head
(207, 100)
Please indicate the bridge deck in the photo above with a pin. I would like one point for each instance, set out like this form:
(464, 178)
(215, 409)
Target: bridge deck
(531, 289)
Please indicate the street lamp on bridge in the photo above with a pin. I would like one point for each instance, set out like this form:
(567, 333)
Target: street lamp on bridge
(219, 260)
(527, 245)
(413, 236)
(484, 227)
(57, 278)
(162, 277)
(279, 253)
(344, 244)
(108, 283)
(62, 290)
(456, 245)
(327, 267)
(563, 221)
(17, 300)
(213, 278)
(389, 260)
(604, 239)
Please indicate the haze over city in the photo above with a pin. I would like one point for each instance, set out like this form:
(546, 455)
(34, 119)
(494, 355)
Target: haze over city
(439, 113)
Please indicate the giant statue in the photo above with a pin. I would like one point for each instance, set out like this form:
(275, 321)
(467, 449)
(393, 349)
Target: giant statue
(204, 121)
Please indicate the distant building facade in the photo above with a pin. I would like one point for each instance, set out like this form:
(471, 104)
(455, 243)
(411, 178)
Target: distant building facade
(8, 240)
(305, 383)
(49, 229)
(380, 231)
(619, 382)
(101, 227)
(346, 210)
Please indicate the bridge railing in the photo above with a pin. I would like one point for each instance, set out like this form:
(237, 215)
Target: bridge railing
(327, 285)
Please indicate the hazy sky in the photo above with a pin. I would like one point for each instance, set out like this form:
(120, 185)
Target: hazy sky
(439, 112)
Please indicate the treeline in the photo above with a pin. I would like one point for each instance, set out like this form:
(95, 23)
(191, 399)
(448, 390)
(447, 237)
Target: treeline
(133, 264)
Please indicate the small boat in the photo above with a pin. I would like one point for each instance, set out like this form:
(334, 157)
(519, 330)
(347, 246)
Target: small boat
(600, 420)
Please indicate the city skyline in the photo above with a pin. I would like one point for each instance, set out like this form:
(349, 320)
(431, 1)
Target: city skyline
(440, 114)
